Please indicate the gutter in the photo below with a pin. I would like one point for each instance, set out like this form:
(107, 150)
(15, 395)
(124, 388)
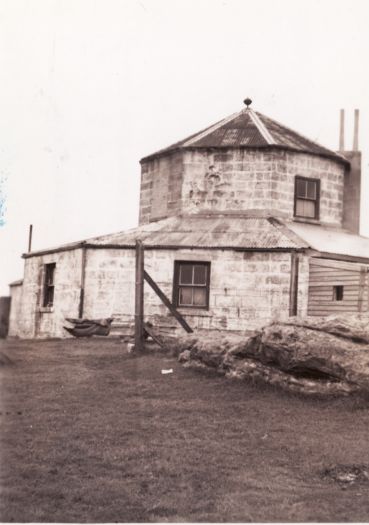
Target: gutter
(161, 247)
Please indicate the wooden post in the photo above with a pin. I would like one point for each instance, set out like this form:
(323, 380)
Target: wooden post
(139, 297)
(30, 238)
(294, 284)
(82, 290)
(363, 274)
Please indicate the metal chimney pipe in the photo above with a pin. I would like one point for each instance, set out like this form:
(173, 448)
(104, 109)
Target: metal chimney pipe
(342, 130)
(30, 238)
(355, 146)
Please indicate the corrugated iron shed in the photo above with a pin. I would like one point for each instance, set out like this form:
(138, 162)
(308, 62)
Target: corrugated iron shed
(249, 129)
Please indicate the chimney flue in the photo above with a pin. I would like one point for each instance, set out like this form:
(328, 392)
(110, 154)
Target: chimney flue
(30, 237)
(355, 145)
(342, 130)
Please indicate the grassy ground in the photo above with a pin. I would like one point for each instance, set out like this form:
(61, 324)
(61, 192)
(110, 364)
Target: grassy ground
(91, 434)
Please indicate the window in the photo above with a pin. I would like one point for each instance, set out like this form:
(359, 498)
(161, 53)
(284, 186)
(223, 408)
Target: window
(48, 295)
(338, 293)
(307, 193)
(191, 284)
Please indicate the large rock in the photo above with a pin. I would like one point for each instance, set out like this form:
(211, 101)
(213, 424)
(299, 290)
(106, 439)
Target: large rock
(320, 355)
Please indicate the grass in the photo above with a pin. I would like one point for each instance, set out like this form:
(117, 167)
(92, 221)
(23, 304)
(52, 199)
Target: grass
(92, 434)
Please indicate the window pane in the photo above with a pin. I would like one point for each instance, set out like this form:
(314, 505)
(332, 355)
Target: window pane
(301, 188)
(311, 190)
(199, 296)
(185, 296)
(49, 278)
(50, 294)
(199, 274)
(338, 293)
(305, 208)
(185, 274)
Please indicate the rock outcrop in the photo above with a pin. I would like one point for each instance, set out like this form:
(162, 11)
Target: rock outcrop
(312, 355)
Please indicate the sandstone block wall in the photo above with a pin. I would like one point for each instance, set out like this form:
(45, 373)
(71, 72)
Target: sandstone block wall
(246, 289)
(161, 184)
(198, 180)
(331, 176)
(32, 320)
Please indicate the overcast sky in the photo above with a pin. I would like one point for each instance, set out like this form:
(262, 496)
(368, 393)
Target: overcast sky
(88, 87)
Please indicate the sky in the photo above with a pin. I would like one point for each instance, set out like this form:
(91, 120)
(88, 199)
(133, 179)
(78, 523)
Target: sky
(89, 87)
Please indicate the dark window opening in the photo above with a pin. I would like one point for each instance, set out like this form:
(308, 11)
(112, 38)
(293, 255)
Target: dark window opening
(191, 284)
(338, 293)
(307, 195)
(48, 295)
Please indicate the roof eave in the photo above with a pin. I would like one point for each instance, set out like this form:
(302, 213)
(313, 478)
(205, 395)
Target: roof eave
(332, 156)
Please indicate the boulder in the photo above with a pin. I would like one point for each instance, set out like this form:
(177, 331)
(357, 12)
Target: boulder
(310, 355)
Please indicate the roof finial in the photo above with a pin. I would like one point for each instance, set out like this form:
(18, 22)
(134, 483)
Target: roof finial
(247, 102)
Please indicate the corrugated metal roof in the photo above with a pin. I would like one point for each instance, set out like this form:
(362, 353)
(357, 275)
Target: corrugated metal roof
(209, 231)
(331, 240)
(250, 129)
(231, 231)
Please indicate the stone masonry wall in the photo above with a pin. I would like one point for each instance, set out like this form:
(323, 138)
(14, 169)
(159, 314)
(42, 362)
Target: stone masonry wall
(161, 183)
(198, 180)
(330, 173)
(246, 289)
(253, 179)
(36, 321)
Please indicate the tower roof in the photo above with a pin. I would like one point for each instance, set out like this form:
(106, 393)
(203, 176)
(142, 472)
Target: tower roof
(249, 129)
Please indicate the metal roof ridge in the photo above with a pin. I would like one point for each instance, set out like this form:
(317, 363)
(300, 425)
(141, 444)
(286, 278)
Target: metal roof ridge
(262, 128)
(213, 128)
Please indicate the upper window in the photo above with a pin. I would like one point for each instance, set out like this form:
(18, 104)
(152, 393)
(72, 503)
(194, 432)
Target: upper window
(191, 284)
(307, 193)
(48, 295)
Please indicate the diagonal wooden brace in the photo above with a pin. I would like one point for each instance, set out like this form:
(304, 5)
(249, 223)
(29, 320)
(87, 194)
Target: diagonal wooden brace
(167, 303)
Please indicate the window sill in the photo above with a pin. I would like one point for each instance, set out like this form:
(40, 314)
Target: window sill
(306, 219)
(46, 309)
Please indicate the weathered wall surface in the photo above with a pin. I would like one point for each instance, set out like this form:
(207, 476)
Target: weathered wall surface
(161, 186)
(110, 284)
(330, 173)
(15, 310)
(246, 179)
(246, 289)
(32, 320)
(203, 180)
(227, 181)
